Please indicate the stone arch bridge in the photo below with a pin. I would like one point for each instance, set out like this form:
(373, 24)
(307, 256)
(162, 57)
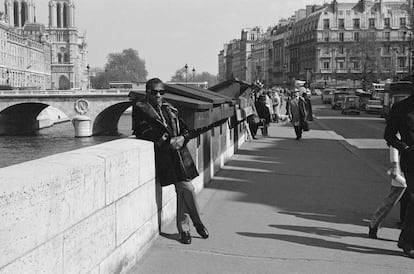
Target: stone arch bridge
(19, 109)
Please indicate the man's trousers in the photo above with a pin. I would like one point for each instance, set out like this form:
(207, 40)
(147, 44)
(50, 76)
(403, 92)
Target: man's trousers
(406, 239)
(389, 202)
(187, 206)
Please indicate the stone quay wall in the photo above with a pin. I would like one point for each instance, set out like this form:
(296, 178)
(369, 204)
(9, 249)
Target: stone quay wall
(97, 209)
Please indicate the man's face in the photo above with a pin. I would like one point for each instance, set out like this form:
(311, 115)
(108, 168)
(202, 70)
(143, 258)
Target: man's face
(155, 94)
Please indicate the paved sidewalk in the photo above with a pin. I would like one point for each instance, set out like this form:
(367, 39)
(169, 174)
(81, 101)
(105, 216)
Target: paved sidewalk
(287, 206)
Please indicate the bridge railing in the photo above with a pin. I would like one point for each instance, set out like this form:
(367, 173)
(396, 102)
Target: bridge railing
(64, 92)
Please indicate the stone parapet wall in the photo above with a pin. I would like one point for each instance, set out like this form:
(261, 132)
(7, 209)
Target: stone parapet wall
(97, 209)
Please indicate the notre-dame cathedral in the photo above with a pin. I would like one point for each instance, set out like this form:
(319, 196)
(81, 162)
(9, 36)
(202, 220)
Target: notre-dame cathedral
(53, 57)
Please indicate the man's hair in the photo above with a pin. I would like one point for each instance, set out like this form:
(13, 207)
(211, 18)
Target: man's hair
(151, 83)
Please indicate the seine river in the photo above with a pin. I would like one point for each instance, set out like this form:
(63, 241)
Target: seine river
(49, 141)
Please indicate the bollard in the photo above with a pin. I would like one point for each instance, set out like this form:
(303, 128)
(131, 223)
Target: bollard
(82, 125)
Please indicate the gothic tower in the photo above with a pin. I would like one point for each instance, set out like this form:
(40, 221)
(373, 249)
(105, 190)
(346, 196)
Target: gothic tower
(19, 12)
(68, 49)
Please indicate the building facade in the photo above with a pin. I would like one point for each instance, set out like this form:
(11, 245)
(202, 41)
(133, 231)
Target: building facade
(24, 56)
(350, 44)
(68, 48)
(33, 56)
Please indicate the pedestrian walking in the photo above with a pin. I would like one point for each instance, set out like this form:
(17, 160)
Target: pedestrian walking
(157, 121)
(308, 106)
(276, 106)
(401, 120)
(264, 114)
(398, 186)
(297, 113)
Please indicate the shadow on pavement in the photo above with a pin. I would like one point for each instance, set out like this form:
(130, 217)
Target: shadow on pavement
(324, 231)
(316, 179)
(316, 242)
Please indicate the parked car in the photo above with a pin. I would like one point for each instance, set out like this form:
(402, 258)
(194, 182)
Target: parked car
(327, 95)
(373, 106)
(338, 99)
(317, 92)
(351, 105)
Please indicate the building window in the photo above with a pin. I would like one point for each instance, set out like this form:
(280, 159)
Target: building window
(387, 35)
(402, 22)
(356, 36)
(326, 23)
(355, 64)
(341, 36)
(387, 22)
(341, 49)
(341, 23)
(387, 49)
(341, 12)
(401, 62)
(341, 64)
(326, 64)
(356, 23)
(371, 23)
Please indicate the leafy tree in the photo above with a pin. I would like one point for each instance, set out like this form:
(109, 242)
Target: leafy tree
(125, 66)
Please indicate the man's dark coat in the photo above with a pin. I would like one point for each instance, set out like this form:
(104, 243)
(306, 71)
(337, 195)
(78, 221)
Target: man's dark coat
(171, 165)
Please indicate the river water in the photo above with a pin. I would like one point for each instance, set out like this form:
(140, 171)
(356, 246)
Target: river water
(53, 140)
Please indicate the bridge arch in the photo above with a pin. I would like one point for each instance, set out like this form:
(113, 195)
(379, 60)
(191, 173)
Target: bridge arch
(20, 118)
(106, 122)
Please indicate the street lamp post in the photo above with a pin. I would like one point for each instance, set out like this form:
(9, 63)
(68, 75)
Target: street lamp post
(89, 77)
(193, 74)
(186, 72)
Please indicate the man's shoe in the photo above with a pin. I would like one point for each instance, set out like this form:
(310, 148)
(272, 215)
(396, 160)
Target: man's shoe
(373, 233)
(409, 251)
(185, 237)
(202, 230)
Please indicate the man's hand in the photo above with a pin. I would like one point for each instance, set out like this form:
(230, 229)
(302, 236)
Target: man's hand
(177, 142)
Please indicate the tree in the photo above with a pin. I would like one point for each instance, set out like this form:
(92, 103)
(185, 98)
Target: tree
(125, 66)
(180, 76)
(366, 53)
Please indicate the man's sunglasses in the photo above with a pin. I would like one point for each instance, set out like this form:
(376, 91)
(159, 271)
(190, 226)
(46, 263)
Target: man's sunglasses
(155, 92)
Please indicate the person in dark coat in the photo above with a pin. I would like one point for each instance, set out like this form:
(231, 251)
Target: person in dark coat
(401, 120)
(297, 114)
(157, 121)
(308, 106)
(264, 114)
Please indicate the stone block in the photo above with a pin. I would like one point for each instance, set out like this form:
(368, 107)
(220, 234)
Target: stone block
(128, 164)
(86, 244)
(47, 258)
(135, 209)
(40, 199)
(126, 255)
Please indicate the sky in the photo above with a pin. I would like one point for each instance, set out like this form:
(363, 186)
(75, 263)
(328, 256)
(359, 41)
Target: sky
(171, 33)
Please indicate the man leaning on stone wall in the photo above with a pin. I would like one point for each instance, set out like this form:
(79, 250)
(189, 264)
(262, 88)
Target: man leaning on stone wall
(158, 121)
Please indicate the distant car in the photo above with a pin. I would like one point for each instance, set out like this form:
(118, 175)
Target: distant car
(317, 92)
(338, 99)
(373, 106)
(327, 95)
(351, 105)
